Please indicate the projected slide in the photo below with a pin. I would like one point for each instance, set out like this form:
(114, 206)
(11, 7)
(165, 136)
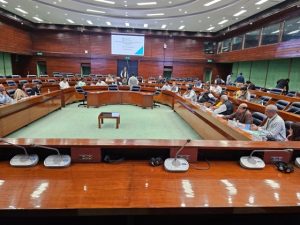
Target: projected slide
(127, 45)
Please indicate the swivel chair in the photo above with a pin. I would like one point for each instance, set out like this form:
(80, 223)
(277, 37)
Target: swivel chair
(157, 92)
(80, 91)
(258, 118)
(136, 88)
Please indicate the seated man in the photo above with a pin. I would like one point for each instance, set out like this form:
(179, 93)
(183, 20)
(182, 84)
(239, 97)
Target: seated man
(274, 126)
(36, 89)
(242, 114)
(63, 84)
(20, 93)
(166, 87)
(174, 87)
(243, 94)
(198, 84)
(4, 97)
(190, 94)
(101, 83)
(81, 83)
(226, 107)
(205, 96)
(216, 89)
(250, 85)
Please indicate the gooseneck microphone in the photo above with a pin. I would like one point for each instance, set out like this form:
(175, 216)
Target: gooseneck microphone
(177, 164)
(253, 162)
(22, 160)
(58, 160)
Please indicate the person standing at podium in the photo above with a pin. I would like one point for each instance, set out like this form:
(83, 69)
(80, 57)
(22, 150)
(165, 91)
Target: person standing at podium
(124, 73)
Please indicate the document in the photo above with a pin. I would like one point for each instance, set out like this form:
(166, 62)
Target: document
(115, 114)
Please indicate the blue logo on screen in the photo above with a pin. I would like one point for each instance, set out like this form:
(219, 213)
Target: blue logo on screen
(140, 51)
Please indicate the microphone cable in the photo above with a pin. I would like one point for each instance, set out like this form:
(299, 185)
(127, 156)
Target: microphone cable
(202, 168)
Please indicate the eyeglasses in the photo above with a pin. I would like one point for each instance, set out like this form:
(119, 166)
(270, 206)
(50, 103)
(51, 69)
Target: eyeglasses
(243, 107)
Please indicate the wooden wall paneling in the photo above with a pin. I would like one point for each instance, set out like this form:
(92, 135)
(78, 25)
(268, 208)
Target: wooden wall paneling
(100, 45)
(188, 69)
(103, 66)
(154, 47)
(21, 64)
(150, 68)
(14, 40)
(188, 48)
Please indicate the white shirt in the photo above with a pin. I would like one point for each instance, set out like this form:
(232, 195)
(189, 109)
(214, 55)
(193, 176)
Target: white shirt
(275, 128)
(174, 88)
(222, 108)
(101, 83)
(217, 89)
(228, 79)
(190, 95)
(64, 84)
(133, 81)
(166, 87)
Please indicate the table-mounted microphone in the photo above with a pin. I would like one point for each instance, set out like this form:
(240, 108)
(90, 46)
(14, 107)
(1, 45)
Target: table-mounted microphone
(253, 162)
(177, 164)
(55, 160)
(22, 160)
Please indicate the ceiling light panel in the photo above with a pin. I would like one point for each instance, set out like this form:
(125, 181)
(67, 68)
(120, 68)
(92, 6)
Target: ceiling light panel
(106, 2)
(146, 3)
(211, 2)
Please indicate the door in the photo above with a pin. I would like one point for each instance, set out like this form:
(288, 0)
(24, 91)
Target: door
(41, 68)
(85, 69)
(207, 75)
(132, 66)
(168, 72)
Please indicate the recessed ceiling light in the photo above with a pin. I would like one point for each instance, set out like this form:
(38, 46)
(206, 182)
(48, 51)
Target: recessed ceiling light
(70, 21)
(54, 3)
(48, 12)
(89, 22)
(170, 2)
(294, 32)
(155, 14)
(163, 26)
(185, 12)
(211, 28)
(2, 1)
(95, 11)
(108, 23)
(38, 19)
(223, 21)
(258, 8)
(211, 2)
(240, 12)
(4, 6)
(21, 10)
(105, 1)
(127, 24)
(145, 25)
(125, 5)
(181, 27)
(261, 2)
(179, 10)
(146, 3)
(275, 32)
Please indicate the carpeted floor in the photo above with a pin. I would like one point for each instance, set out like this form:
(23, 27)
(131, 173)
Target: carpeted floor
(136, 123)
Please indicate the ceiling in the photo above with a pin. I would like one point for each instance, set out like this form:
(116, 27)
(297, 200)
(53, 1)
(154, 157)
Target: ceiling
(184, 15)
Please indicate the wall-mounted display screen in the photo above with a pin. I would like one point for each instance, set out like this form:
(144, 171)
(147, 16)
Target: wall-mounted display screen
(127, 45)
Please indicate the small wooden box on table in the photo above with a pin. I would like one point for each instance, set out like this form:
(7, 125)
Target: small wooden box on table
(109, 115)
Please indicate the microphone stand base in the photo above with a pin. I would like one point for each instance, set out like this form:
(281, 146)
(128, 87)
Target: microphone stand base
(252, 162)
(57, 161)
(24, 160)
(181, 165)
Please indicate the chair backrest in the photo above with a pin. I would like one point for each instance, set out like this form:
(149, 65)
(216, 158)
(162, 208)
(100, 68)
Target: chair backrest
(294, 108)
(31, 76)
(265, 99)
(282, 104)
(79, 89)
(23, 82)
(2, 76)
(36, 81)
(8, 76)
(51, 80)
(11, 83)
(252, 96)
(113, 87)
(258, 118)
(57, 75)
(15, 76)
(11, 92)
(135, 88)
(43, 75)
(28, 90)
(276, 91)
(291, 93)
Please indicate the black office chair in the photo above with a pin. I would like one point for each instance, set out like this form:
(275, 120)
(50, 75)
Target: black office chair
(276, 91)
(291, 94)
(258, 118)
(282, 104)
(294, 108)
(113, 87)
(11, 92)
(84, 93)
(265, 99)
(157, 92)
(136, 88)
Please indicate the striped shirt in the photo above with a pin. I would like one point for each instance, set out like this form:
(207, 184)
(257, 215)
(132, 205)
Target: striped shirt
(275, 128)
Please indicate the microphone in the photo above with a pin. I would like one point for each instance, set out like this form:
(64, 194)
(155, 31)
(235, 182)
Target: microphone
(56, 161)
(177, 164)
(253, 162)
(22, 160)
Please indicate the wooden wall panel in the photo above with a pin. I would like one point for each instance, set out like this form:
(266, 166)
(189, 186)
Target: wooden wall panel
(14, 40)
(150, 68)
(103, 66)
(288, 49)
(186, 69)
(100, 45)
(188, 48)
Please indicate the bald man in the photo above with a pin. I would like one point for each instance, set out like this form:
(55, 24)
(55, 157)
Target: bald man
(274, 126)
(242, 114)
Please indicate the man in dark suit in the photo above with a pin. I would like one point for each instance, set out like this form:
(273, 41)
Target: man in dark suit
(124, 73)
(283, 84)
